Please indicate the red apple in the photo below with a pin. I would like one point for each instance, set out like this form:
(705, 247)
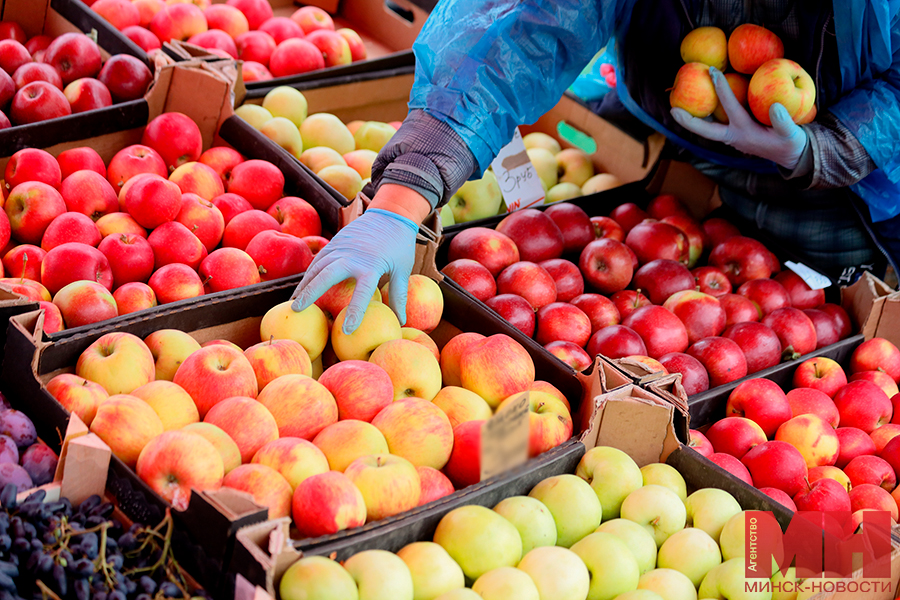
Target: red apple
(530, 281)
(652, 240)
(231, 205)
(119, 13)
(569, 353)
(296, 216)
(841, 319)
(605, 227)
(278, 254)
(152, 201)
(80, 159)
(256, 11)
(711, 281)
(760, 345)
(616, 341)
(872, 470)
(606, 265)
(826, 328)
(143, 37)
(575, 225)
(661, 278)
(890, 453)
(215, 39)
(628, 215)
(569, 282)
(175, 137)
(628, 301)
(599, 309)
(70, 227)
(700, 444)
(295, 56)
(30, 165)
(74, 261)
(739, 309)
(464, 466)
(126, 77)
(53, 319)
(876, 354)
(492, 249)
(130, 257)
(134, 160)
(820, 373)
(7, 88)
(807, 401)
(10, 30)
(879, 378)
(84, 303)
(31, 207)
(732, 465)
(38, 101)
(357, 48)
(561, 321)
(516, 310)
(133, 297)
(89, 193)
(722, 358)
(255, 46)
(863, 405)
(761, 401)
(254, 71)
(853, 442)
(777, 464)
(801, 295)
(741, 259)
(794, 329)
(694, 378)
(768, 294)
(660, 329)
(472, 277)
(24, 261)
(245, 226)
(175, 282)
(694, 233)
(779, 497)
(701, 313)
(749, 46)
(13, 55)
(177, 22)
(666, 205)
(221, 159)
(735, 436)
(824, 495)
(259, 182)
(536, 235)
(172, 242)
(36, 72)
(74, 55)
(228, 268)
(281, 28)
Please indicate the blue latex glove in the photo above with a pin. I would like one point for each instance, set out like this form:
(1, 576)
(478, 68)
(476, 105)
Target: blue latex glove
(783, 143)
(377, 243)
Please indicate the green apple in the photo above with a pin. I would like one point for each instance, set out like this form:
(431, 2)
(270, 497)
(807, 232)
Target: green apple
(639, 541)
(537, 139)
(479, 540)
(459, 594)
(727, 581)
(476, 199)
(285, 101)
(545, 164)
(613, 475)
(787, 585)
(574, 166)
(532, 518)
(613, 569)
(380, 575)
(709, 509)
(666, 476)
(506, 583)
(562, 191)
(639, 595)
(655, 508)
(557, 573)
(731, 539)
(284, 133)
(668, 583)
(691, 551)
(343, 179)
(447, 218)
(373, 135)
(320, 157)
(254, 114)
(317, 577)
(324, 129)
(433, 571)
(575, 507)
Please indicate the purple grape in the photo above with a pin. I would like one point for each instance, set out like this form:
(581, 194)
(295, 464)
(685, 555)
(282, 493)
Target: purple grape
(16, 475)
(18, 426)
(40, 462)
(8, 451)
(4, 402)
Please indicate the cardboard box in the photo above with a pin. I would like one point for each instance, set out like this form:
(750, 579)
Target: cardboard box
(387, 28)
(874, 308)
(54, 18)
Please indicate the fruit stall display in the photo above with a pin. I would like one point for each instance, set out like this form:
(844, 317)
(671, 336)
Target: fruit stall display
(160, 221)
(299, 433)
(605, 529)
(52, 68)
(583, 283)
(278, 42)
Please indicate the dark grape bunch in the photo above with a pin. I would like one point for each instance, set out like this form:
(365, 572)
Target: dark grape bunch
(54, 551)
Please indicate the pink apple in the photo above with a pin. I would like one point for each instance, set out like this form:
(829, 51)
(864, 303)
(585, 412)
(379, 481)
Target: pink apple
(805, 401)
(794, 329)
(700, 443)
(569, 282)
(606, 265)
(820, 373)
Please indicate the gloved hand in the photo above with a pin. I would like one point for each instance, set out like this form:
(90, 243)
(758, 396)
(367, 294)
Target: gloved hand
(783, 143)
(376, 243)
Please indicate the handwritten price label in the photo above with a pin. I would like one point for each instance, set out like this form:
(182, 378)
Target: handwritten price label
(504, 438)
(519, 182)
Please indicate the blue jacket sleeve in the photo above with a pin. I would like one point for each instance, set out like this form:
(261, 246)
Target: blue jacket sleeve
(485, 67)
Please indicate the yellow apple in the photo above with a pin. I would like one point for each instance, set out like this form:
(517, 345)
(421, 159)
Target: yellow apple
(379, 325)
(224, 445)
(308, 327)
(345, 441)
(324, 129)
(284, 133)
(77, 395)
(254, 114)
(120, 362)
(169, 348)
(126, 424)
(412, 368)
(285, 101)
(170, 402)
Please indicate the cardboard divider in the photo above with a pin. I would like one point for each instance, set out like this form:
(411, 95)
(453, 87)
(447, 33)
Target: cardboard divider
(55, 17)
(874, 308)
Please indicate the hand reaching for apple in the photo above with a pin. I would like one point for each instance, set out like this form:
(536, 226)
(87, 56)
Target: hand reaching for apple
(783, 143)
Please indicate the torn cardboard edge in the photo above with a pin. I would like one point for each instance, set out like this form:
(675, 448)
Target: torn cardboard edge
(269, 543)
(874, 308)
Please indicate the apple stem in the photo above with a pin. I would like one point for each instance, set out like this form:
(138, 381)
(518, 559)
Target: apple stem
(207, 280)
(816, 367)
(808, 486)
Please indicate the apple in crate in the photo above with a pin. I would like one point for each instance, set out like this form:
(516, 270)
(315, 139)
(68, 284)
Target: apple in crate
(85, 302)
(863, 405)
(172, 404)
(606, 265)
(360, 389)
(389, 484)
(491, 248)
(417, 430)
(777, 464)
(309, 327)
(343, 442)
(77, 395)
(661, 331)
(214, 373)
(536, 235)
(472, 277)
(808, 401)
(176, 462)
(813, 437)
(119, 362)
(301, 406)
(762, 401)
(741, 259)
(267, 486)
(723, 359)
(479, 540)
(232, 416)
(89, 193)
(126, 424)
(874, 355)
(495, 368)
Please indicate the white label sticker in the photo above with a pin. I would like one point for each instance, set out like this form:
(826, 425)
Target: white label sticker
(813, 278)
(519, 181)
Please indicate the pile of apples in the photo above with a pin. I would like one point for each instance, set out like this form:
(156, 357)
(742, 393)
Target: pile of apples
(669, 317)
(45, 78)
(341, 155)
(609, 531)
(564, 174)
(163, 221)
(336, 429)
(752, 51)
(828, 444)
(269, 46)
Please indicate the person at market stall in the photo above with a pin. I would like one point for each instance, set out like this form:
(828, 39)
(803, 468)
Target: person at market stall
(483, 68)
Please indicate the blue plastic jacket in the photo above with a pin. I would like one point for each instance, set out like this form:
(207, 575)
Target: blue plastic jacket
(485, 67)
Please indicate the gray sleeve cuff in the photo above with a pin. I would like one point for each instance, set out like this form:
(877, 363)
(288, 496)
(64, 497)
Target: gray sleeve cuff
(839, 159)
(802, 174)
(427, 156)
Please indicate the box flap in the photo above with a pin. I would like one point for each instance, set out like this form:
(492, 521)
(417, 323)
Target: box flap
(869, 301)
(268, 544)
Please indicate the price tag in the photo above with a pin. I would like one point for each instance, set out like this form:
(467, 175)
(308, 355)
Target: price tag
(504, 438)
(813, 278)
(519, 181)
